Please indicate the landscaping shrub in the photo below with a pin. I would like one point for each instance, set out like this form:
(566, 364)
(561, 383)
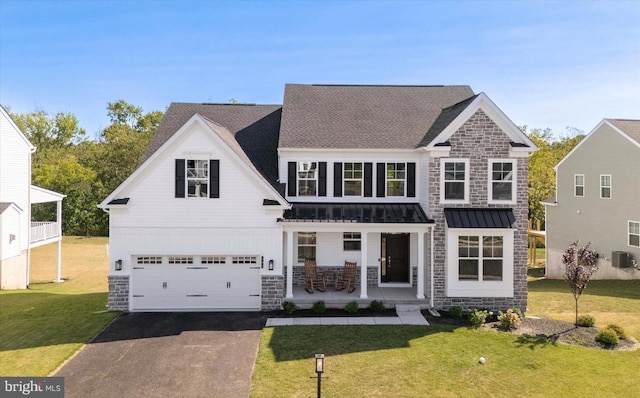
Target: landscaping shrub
(517, 311)
(376, 306)
(586, 321)
(455, 312)
(289, 307)
(620, 332)
(351, 307)
(319, 307)
(509, 320)
(478, 317)
(607, 338)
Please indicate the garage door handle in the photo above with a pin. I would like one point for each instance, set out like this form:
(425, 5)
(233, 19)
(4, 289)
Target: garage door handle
(197, 295)
(138, 267)
(164, 285)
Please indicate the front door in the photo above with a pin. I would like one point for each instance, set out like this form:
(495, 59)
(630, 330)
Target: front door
(394, 258)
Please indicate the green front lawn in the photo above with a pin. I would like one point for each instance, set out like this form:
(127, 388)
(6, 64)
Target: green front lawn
(43, 326)
(442, 361)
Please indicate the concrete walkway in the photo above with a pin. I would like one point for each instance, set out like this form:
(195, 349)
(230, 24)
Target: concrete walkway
(407, 315)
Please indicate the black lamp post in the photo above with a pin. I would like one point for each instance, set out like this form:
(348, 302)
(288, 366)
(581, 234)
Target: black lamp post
(319, 371)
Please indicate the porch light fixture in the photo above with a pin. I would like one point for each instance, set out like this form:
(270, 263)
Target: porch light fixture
(118, 265)
(271, 264)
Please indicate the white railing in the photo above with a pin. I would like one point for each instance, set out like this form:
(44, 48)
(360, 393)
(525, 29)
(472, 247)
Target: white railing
(44, 230)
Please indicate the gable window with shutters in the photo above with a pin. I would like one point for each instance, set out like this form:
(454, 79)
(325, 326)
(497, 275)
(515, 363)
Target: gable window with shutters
(197, 178)
(352, 179)
(454, 180)
(307, 178)
(396, 179)
(502, 184)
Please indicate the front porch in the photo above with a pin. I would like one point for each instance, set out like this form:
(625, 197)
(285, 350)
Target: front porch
(389, 296)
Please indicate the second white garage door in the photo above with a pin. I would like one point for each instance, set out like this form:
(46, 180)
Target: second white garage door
(195, 283)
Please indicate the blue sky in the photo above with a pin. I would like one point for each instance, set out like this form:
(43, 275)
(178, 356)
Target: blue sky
(544, 63)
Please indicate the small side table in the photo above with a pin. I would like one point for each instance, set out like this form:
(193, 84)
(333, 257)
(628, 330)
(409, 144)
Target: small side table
(331, 274)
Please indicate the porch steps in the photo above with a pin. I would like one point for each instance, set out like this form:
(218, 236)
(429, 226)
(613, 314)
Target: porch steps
(410, 314)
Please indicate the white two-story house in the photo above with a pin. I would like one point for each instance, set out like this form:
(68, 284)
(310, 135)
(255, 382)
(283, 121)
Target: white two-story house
(598, 200)
(425, 187)
(18, 234)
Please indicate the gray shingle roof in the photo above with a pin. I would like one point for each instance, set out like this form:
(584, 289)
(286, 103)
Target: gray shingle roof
(628, 126)
(255, 128)
(360, 117)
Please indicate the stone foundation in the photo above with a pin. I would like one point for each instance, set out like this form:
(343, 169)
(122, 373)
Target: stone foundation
(272, 292)
(118, 298)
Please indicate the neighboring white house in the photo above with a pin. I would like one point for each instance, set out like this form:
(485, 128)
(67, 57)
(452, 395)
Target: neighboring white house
(425, 187)
(598, 200)
(18, 234)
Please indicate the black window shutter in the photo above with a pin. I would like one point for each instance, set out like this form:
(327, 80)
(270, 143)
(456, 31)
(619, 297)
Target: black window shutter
(381, 178)
(322, 179)
(337, 179)
(180, 178)
(214, 178)
(368, 180)
(411, 180)
(291, 179)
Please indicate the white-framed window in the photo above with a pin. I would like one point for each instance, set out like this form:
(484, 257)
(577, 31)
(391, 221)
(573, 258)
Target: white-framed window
(633, 229)
(480, 262)
(578, 185)
(306, 246)
(149, 260)
(197, 178)
(180, 260)
(213, 260)
(605, 186)
(352, 179)
(502, 180)
(244, 260)
(480, 258)
(454, 180)
(307, 178)
(396, 179)
(351, 241)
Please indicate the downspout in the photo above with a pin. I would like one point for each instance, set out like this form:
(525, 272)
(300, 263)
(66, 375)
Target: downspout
(431, 302)
(29, 216)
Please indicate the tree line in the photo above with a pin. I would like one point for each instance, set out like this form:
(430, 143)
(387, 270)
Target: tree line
(87, 171)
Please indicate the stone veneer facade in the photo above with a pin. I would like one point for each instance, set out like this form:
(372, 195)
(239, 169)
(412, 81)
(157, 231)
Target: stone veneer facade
(478, 140)
(118, 299)
(272, 292)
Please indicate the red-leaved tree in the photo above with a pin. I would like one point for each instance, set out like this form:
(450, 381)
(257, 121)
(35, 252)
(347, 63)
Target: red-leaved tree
(579, 264)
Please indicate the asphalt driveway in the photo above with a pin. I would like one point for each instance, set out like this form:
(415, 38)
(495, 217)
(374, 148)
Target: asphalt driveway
(168, 355)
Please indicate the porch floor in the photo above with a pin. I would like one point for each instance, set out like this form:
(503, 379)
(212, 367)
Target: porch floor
(390, 297)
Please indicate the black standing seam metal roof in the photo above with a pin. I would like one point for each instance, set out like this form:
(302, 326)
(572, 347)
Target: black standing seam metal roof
(479, 218)
(120, 201)
(396, 213)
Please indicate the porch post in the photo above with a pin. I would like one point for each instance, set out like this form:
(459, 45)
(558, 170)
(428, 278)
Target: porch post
(59, 222)
(420, 291)
(289, 264)
(363, 265)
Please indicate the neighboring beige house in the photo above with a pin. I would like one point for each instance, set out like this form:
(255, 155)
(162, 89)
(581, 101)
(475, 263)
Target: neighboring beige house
(18, 234)
(598, 200)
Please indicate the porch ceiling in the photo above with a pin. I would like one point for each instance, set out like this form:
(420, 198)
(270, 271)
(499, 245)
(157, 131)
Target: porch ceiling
(368, 213)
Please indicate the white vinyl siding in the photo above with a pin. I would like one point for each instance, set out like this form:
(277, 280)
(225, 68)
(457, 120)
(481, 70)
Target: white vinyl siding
(578, 185)
(605, 186)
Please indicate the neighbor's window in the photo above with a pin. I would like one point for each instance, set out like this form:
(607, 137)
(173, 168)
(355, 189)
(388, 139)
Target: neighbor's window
(454, 180)
(306, 246)
(352, 174)
(634, 233)
(578, 185)
(502, 184)
(605, 186)
(307, 178)
(396, 176)
(352, 241)
(480, 258)
(197, 178)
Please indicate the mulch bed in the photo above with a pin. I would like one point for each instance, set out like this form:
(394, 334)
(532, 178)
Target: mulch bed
(536, 330)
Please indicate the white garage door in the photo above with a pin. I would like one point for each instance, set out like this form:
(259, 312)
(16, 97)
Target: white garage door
(199, 283)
